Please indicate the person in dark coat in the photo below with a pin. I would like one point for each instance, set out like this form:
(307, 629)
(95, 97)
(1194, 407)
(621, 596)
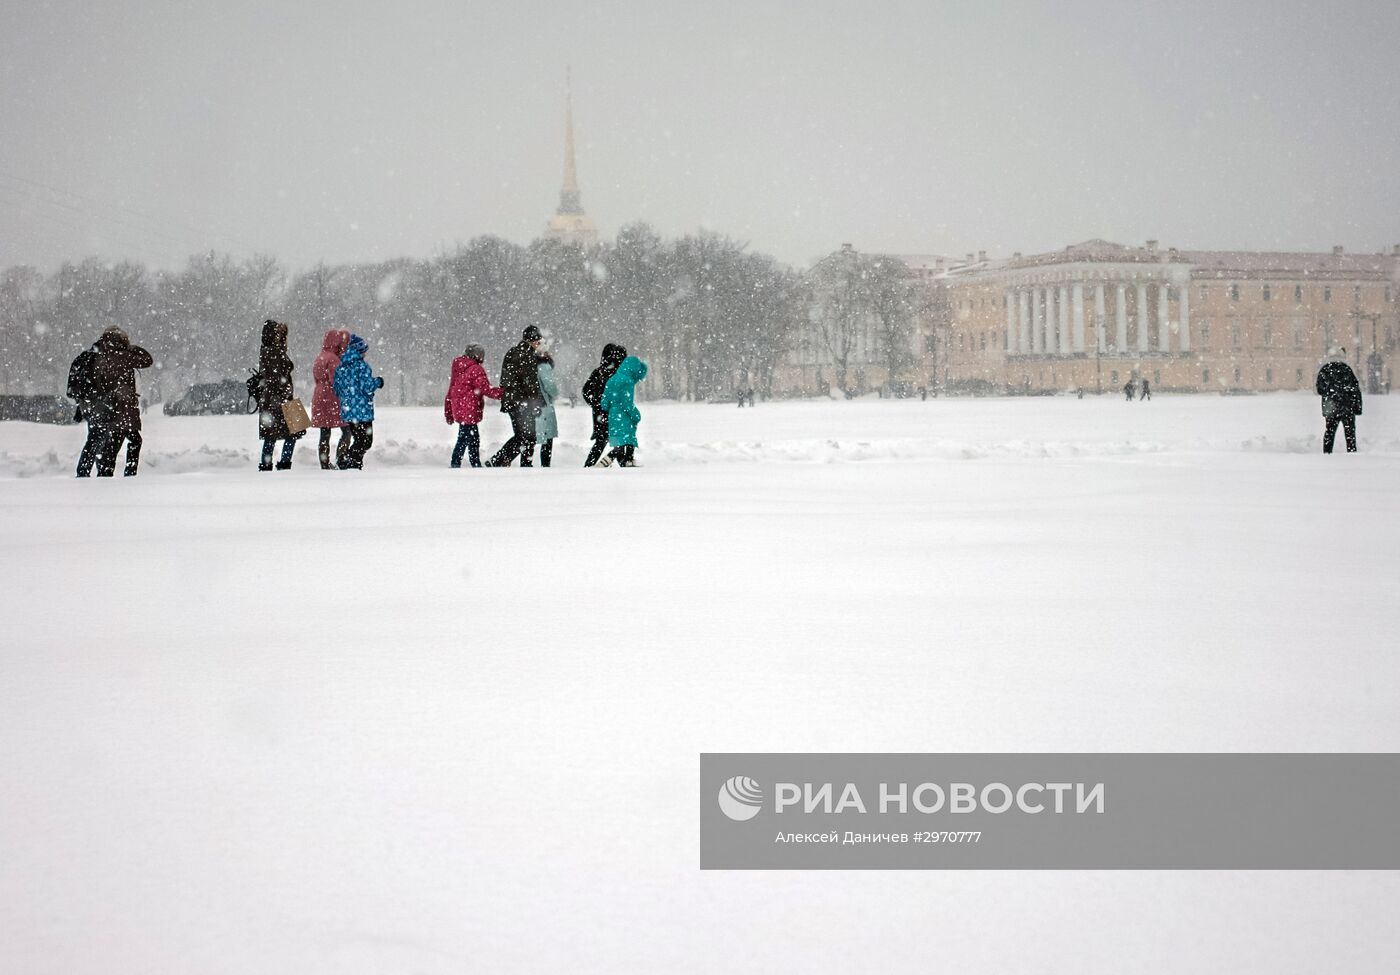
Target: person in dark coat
(520, 399)
(275, 388)
(1146, 393)
(463, 404)
(103, 382)
(1341, 399)
(593, 396)
(1129, 389)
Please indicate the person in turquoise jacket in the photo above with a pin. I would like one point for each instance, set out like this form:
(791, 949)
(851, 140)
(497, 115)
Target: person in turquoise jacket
(355, 385)
(619, 402)
(547, 423)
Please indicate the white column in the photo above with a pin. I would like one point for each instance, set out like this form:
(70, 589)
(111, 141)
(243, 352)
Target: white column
(1120, 338)
(1078, 318)
(1183, 300)
(1164, 334)
(1007, 297)
(1065, 344)
(1100, 317)
(1023, 307)
(1052, 319)
(1142, 316)
(1037, 316)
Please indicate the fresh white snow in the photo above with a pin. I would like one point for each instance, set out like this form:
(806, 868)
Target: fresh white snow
(421, 720)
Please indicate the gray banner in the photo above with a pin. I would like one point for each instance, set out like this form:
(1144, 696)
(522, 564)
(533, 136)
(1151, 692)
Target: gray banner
(1228, 811)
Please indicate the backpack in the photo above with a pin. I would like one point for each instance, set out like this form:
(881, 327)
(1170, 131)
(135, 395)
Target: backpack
(82, 377)
(252, 383)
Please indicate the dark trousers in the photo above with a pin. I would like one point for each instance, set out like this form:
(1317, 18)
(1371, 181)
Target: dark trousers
(284, 463)
(92, 448)
(468, 442)
(362, 435)
(1348, 422)
(323, 449)
(546, 452)
(623, 455)
(111, 446)
(600, 438)
(522, 439)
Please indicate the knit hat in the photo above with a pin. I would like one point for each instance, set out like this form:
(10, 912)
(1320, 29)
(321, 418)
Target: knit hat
(531, 334)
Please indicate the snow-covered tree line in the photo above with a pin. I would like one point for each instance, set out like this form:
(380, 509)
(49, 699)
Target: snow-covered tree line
(707, 314)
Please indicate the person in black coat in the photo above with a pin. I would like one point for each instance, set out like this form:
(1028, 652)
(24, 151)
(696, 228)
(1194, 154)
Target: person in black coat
(521, 399)
(593, 395)
(275, 388)
(103, 381)
(1341, 399)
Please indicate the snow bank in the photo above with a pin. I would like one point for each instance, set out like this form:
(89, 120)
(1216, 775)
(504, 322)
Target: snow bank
(677, 434)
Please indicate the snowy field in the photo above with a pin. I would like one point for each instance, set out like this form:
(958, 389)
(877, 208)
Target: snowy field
(430, 721)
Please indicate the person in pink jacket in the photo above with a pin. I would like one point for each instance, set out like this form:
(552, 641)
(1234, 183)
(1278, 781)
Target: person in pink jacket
(325, 406)
(463, 404)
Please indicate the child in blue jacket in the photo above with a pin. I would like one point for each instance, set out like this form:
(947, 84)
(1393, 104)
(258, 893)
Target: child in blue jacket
(355, 385)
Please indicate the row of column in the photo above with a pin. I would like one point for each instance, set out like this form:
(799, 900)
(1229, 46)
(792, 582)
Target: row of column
(1049, 319)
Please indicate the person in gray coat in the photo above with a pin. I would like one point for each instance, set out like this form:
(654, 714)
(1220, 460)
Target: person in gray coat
(547, 423)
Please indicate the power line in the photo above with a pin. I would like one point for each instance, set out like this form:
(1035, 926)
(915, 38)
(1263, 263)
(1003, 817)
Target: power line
(167, 222)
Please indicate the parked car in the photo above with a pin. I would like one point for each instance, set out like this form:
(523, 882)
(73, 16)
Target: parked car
(37, 409)
(213, 399)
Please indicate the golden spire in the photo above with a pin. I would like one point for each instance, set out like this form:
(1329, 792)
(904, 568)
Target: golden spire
(570, 194)
(569, 223)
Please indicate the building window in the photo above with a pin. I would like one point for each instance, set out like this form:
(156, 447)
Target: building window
(1268, 377)
(1237, 373)
(930, 343)
(1387, 294)
(1235, 334)
(1389, 337)
(1234, 292)
(1157, 376)
(1298, 378)
(984, 341)
(1205, 292)
(1297, 336)
(1205, 333)
(1326, 294)
(1356, 295)
(1205, 376)
(1268, 335)
(1268, 293)
(1297, 294)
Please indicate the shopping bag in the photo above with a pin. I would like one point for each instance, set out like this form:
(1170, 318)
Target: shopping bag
(295, 415)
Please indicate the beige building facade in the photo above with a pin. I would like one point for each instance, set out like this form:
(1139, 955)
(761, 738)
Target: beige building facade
(1099, 314)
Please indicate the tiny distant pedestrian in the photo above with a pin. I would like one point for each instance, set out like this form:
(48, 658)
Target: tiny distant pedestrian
(520, 399)
(1146, 393)
(275, 388)
(355, 386)
(619, 400)
(1129, 389)
(593, 394)
(463, 403)
(325, 406)
(547, 423)
(102, 381)
(1341, 399)
(751, 399)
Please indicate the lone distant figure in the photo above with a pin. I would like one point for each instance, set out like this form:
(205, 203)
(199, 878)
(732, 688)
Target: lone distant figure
(1341, 399)
(1129, 389)
(1146, 393)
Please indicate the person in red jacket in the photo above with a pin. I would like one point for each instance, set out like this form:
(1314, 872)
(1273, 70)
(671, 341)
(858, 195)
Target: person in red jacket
(463, 404)
(325, 406)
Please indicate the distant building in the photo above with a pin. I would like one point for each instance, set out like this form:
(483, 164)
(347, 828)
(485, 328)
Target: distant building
(569, 223)
(1098, 314)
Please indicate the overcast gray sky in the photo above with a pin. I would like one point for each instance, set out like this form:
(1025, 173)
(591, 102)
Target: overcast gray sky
(367, 130)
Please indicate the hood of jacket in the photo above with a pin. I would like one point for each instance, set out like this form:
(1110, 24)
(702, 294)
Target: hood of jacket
(335, 341)
(632, 368)
(355, 348)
